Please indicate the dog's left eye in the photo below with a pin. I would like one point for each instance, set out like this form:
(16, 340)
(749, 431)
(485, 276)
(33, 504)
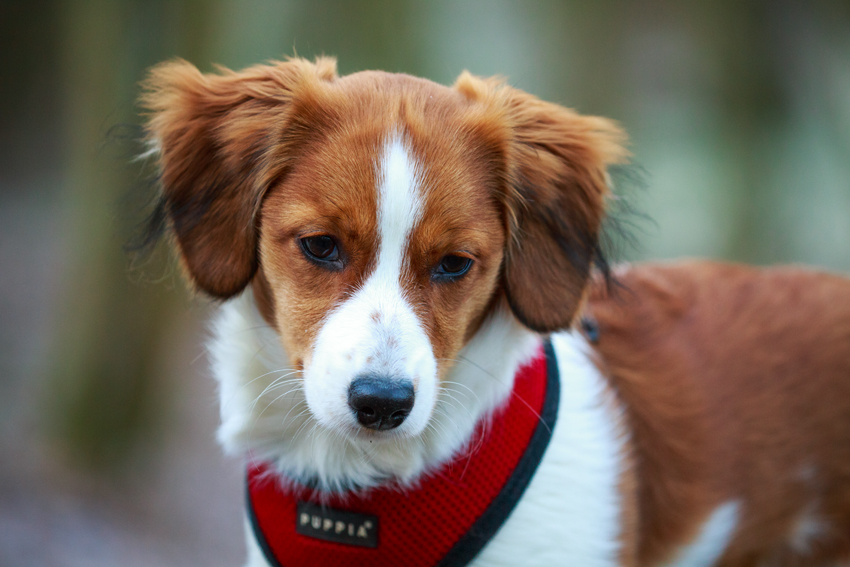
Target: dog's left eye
(452, 266)
(320, 248)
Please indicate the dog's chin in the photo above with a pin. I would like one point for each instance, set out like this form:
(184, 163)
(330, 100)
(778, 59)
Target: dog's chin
(392, 435)
(351, 430)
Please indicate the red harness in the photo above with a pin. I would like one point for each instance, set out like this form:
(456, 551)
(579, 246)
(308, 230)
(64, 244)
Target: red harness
(444, 521)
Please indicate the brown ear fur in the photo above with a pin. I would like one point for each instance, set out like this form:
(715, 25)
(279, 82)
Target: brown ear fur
(221, 143)
(554, 198)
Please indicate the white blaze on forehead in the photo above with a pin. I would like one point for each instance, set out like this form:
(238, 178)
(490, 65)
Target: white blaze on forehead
(399, 203)
(396, 333)
(376, 331)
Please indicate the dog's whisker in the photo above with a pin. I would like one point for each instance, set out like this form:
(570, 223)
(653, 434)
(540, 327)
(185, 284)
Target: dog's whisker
(307, 422)
(475, 444)
(443, 430)
(466, 396)
(278, 383)
(293, 388)
(301, 413)
(462, 385)
(249, 382)
(518, 396)
(450, 398)
(257, 418)
(447, 398)
(448, 420)
(313, 435)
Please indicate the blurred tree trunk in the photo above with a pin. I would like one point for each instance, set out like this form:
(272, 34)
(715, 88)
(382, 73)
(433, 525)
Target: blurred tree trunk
(104, 389)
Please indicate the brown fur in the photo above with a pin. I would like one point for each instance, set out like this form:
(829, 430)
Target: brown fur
(253, 161)
(221, 138)
(736, 382)
(555, 199)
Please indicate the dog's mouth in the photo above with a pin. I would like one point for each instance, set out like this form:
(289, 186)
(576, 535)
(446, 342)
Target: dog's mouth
(372, 436)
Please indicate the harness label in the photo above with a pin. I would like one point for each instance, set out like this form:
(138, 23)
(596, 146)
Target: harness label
(335, 525)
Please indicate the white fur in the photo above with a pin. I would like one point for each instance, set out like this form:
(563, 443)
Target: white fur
(376, 331)
(570, 514)
(713, 539)
(256, 557)
(807, 530)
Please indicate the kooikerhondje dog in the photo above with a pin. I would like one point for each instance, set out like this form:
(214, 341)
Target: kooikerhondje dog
(394, 252)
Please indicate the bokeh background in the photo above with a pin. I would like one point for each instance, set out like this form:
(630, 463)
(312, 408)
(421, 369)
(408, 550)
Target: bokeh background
(739, 115)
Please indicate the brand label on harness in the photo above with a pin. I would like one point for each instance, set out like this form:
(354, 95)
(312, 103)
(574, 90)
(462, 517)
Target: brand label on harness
(337, 526)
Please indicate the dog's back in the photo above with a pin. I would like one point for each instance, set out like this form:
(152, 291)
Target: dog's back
(736, 384)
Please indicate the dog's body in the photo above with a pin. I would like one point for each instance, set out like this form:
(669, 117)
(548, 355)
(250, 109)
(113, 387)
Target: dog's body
(407, 246)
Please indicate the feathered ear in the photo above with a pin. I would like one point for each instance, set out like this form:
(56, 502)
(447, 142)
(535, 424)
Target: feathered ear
(221, 142)
(556, 187)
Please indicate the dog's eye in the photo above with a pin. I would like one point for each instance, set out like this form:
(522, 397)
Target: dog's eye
(321, 248)
(452, 266)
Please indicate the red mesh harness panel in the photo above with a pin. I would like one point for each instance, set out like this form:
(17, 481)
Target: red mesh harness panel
(444, 521)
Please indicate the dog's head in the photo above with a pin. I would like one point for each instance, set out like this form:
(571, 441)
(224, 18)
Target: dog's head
(379, 218)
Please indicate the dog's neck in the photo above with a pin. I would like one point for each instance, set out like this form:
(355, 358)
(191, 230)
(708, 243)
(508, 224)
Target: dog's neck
(264, 414)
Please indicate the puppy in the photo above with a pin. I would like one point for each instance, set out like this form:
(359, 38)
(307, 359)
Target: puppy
(400, 358)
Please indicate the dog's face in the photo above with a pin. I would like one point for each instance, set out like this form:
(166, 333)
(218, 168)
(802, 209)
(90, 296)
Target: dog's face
(379, 218)
(379, 267)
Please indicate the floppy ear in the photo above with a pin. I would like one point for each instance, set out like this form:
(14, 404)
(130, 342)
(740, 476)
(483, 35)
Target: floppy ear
(221, 143)
(554, 197)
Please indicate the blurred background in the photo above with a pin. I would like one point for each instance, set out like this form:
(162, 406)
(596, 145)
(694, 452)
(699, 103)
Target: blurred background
(739, 115)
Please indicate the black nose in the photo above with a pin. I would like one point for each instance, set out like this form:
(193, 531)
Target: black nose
(380, 402)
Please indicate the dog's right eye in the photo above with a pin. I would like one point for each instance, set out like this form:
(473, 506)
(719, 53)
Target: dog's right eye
(320, 248)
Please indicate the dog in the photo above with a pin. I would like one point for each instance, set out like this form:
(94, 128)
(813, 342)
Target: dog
(417, 312)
